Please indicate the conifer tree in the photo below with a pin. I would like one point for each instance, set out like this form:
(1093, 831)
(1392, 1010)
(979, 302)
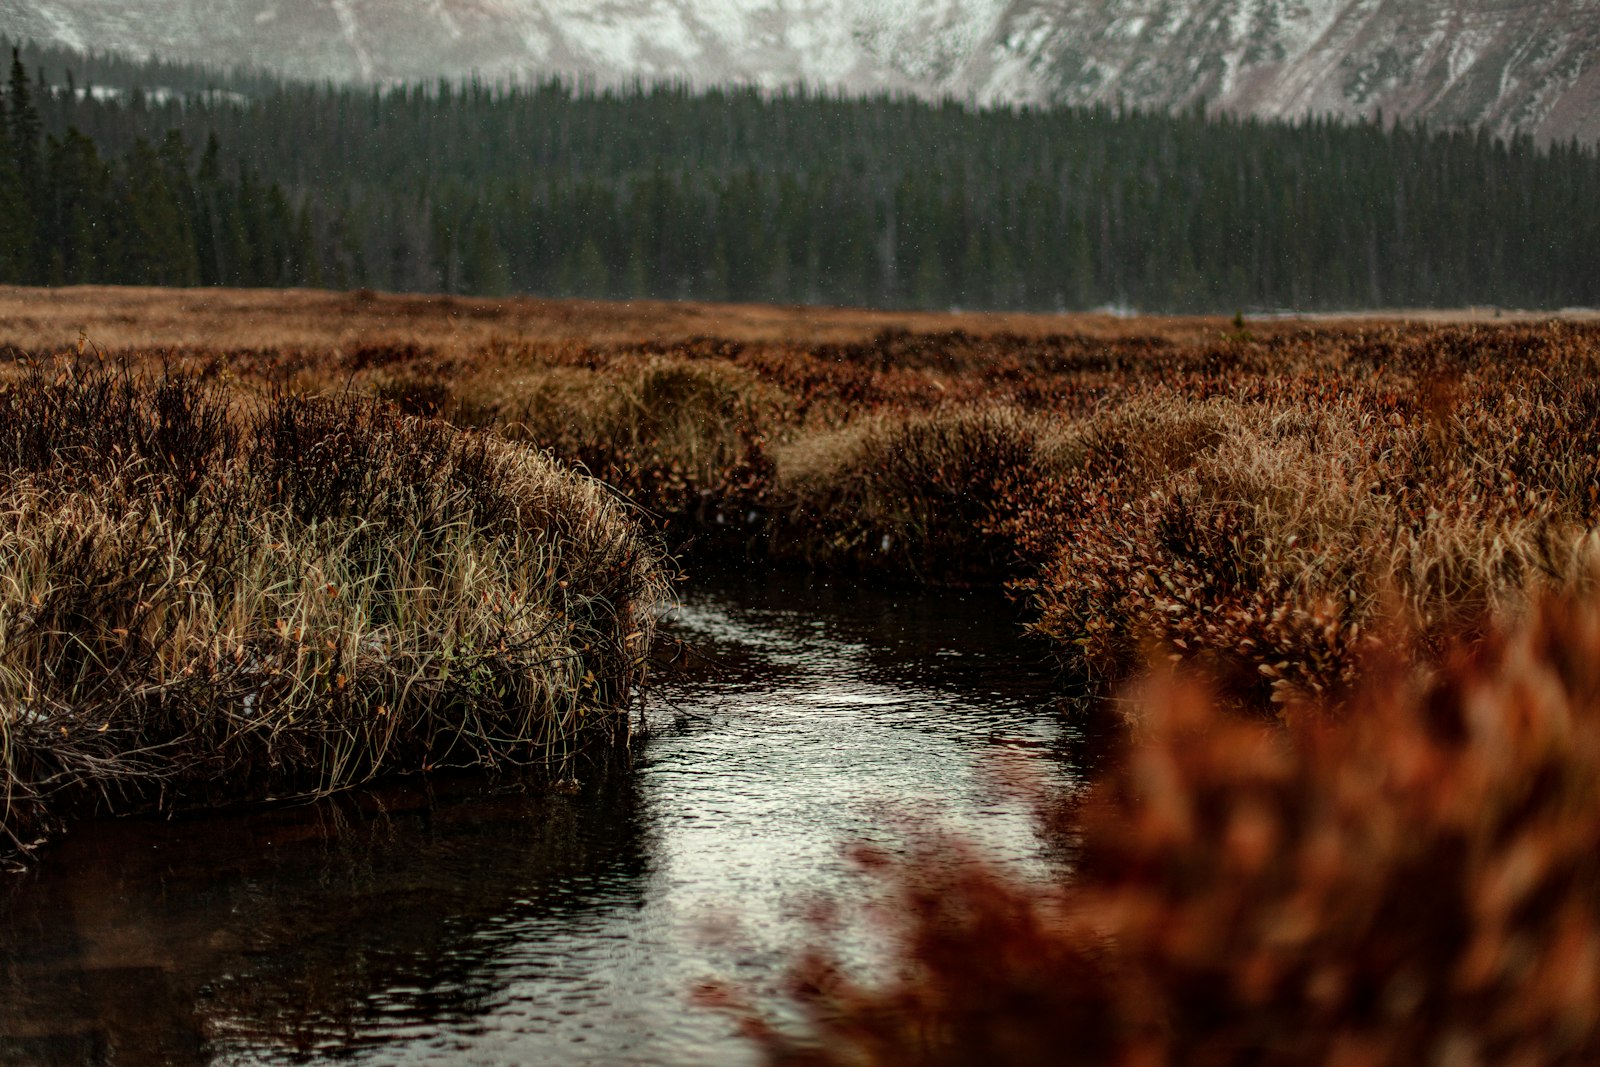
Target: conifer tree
(16, 228)
(80, 223)
(22, 122)
(207, 217)
(156, 244)
(23, 133)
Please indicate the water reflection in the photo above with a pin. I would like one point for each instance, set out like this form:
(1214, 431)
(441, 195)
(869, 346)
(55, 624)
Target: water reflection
(303, 930)
(459, 927)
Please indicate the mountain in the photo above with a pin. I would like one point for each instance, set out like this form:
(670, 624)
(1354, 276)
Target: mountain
(1514, 66)
(1525, 66)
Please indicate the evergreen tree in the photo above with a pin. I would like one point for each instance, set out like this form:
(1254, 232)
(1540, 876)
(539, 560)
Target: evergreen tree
(23, 125)
(26, 181)
(16, 228)
(208, 220)
(80, 219)
(484, 270)
(155, 241)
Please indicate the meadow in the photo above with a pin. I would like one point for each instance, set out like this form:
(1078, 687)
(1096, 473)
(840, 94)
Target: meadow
(1258, 500)
(1332, 575)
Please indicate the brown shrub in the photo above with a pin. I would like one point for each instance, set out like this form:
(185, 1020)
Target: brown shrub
(1264, 551)
(922, 495)
(1418, 883)
(684, 441)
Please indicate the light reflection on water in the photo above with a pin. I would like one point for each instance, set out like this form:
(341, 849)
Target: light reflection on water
(472, 928)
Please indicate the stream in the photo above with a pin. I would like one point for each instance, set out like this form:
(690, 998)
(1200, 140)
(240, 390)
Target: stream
(419, 924)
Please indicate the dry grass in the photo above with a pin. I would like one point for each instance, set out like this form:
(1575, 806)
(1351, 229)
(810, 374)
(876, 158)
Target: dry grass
(1418, 884)
(1250, 500)
(1317, 507)
(120, 317)
(906, 494)
(684, 440)
(212, 600)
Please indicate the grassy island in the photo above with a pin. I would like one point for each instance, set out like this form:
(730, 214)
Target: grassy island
(210, 597)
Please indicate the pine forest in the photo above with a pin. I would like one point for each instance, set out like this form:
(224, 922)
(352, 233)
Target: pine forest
(183, 176)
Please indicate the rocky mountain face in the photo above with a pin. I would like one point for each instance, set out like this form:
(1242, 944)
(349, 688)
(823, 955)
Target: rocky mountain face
(1530, 66)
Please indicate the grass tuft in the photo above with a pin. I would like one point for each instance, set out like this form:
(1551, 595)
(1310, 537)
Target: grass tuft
(212, 601)
(919, 495)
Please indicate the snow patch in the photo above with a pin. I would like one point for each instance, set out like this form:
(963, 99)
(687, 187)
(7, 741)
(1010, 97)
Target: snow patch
(350, 29)
(446, 19)
(1465, 50)
(63, 30)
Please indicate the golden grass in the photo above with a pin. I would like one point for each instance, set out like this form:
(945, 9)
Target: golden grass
(212, 600)
(914, 494)
(119, 317)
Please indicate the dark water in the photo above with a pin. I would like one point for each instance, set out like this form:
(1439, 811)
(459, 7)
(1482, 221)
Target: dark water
(408, 927)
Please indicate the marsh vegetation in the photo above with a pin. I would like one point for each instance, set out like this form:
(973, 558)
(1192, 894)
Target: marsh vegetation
(210, 598)
(1254, 501)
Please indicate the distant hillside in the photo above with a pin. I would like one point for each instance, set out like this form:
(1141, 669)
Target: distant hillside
(1514, 66)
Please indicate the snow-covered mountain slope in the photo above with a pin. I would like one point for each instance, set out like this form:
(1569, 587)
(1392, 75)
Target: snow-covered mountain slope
(858, 44)
(1514, 65)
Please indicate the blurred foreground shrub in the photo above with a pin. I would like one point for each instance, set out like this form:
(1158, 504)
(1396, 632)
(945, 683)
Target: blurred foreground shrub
(1415, 882)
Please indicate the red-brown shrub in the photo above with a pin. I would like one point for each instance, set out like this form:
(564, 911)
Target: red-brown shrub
(1415, 882)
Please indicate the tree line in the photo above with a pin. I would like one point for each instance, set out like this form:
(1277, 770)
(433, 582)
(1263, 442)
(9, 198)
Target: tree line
(151, 215)
(797, 196)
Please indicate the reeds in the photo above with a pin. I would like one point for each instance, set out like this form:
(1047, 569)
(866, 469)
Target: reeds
(1415, 881)
(206, 599)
